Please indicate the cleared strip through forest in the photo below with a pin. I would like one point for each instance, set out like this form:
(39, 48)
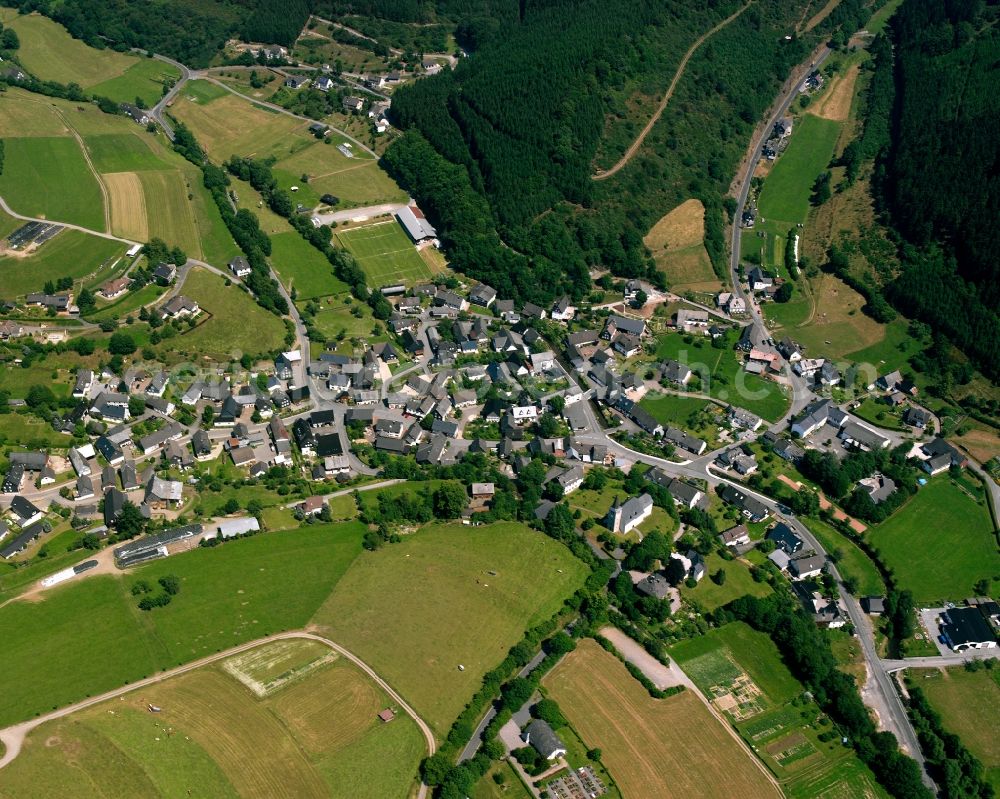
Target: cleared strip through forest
(634, 147)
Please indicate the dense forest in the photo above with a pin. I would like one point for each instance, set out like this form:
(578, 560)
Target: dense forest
(939, 178)
(525, 118)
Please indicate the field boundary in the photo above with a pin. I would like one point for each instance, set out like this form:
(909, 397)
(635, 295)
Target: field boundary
(13, 737)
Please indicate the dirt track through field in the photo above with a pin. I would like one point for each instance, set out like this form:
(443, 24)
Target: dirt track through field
(634, 147)
(128, 205)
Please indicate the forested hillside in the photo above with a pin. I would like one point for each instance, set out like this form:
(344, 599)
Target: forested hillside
(941, 171)
(525, 116)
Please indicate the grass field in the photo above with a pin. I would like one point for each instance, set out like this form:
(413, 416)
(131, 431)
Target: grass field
(124, 152)
(436, 604)
(50, 53)
(853, 561)
(70, 254)
(47, 176)
(169, 214)
(234, 593)
(302, 267)
(967, 702)
(315, 737)
(939, 544)
(738, 583)
(385, 253)
(128, 205)
(510, 788)
(785, 196)
(145, 78)
(236, 324)
(666, 748)
(727, 380)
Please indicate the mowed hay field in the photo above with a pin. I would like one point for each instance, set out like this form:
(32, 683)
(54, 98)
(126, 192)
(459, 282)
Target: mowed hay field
(417, 610)
(128, 205)
(385, 253)
(967, 702)
(231, 322)
(230, 594)
(670, 747)
(677, 245)
(836, 103)
(69, 254)
(939, 544)
(318, 736)
(48, 177)
(50, 53)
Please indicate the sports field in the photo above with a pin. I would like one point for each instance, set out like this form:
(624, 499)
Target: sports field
(47, 177)
(666, 748)
(301, 266)
(235, 323)
(967, 702)
(50, 53)
(70, 254)
(727, 380)
(317, 735)
(385, 253)
(939, 544)
(447, 596)
(234, 593)
(786, 192)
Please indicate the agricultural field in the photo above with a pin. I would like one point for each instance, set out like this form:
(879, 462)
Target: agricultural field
(677, 244)
(230, 594)
(967, 702)
(666, 748)
(727, 381)
(738, 583)
(302, 267)
(48, 177)
(444, 597)
(385, 253)
(50, 53)
(70, 253)
(939, 544)
(318, 728)
(230, 322)
(741, 671)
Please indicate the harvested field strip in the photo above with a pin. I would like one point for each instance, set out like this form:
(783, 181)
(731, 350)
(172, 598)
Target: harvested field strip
(665, 748)
(836, 104)
(169, 213)
(270, 668)
(128, 205)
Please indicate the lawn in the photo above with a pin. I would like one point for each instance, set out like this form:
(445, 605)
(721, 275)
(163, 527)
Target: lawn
(213, 737)
(235, 323)
(967, 702)
(128, 304)
(231, 594)
(786, 192)
(47, 177)
(666, 748)
(880, 413)
(738, 583)
(511, 786)
(302, 267)
(674, 409)
(853, 562)
(447, 596)
(723, 377)
(385, 253)
(939, 544)
(145, 78)
(70, 254)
